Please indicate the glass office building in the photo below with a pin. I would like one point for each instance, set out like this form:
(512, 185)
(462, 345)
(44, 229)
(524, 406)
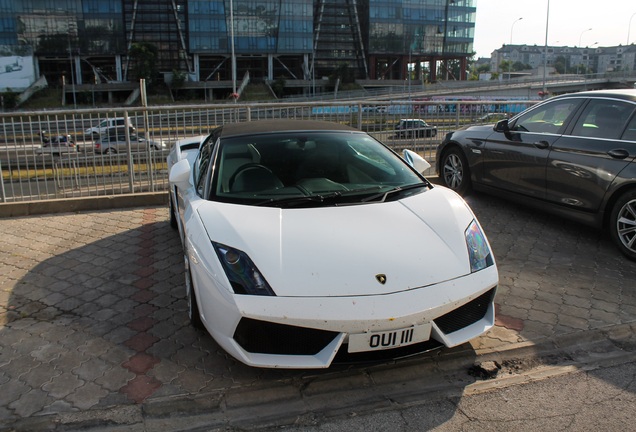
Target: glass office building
(90, 41)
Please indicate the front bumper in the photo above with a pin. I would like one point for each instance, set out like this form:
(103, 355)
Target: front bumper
(300, 332)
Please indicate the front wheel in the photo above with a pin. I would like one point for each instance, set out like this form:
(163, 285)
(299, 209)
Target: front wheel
(173, 216)
(193, 307)
(623, 224)
(454, 171)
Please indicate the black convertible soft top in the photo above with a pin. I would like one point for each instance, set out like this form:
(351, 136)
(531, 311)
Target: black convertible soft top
(266, 126)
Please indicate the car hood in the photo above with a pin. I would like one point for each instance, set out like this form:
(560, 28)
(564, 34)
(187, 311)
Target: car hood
(485, 128)
(340, 251)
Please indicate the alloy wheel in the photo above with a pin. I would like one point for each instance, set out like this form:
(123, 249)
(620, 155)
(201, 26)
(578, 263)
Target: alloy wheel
(453, 171)
(626, 225)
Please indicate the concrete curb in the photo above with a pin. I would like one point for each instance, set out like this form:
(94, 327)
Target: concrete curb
(70, 205)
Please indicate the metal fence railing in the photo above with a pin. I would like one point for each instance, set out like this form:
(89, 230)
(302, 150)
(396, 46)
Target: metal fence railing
(79, 153)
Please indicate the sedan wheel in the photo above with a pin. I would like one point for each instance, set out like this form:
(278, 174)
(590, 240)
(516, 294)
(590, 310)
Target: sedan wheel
(454, 171)
(623, 224)
(193, 307)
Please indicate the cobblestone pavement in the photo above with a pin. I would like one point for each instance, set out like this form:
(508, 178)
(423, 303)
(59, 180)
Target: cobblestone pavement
(93, 312)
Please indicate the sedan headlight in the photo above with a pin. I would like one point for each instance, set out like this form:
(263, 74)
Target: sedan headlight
(479, 252)
(243, 275)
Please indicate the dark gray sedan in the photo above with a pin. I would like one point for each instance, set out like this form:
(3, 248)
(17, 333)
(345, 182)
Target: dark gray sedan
(572, 155)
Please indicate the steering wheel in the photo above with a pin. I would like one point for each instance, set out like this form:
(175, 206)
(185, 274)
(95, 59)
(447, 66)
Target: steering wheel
(246, 167)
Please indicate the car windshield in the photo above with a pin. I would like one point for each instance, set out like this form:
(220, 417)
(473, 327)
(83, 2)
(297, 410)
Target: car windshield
(308, 169)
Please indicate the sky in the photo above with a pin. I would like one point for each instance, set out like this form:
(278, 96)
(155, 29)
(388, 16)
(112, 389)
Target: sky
(568, 22)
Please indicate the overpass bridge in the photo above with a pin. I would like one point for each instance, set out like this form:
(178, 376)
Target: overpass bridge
(526, 87)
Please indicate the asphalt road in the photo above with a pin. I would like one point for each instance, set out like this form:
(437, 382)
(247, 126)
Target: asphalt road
(601, 399)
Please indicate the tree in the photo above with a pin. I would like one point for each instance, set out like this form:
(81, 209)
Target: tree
(505, 65)
(278, 87)
(144, 58)
(483, 68)
(519, 66)
(178, 79)
(561, 65)
(9, 99)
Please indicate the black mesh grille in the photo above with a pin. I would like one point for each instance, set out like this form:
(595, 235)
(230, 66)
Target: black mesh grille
(465, 315)
(271, 338)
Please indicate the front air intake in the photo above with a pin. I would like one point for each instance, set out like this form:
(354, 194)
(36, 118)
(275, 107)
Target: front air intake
(465, 315)
(271, 338)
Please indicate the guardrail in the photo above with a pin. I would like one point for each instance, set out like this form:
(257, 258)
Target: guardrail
(33, 171)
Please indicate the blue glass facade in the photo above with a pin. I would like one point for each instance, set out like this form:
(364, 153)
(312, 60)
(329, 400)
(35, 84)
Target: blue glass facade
(90, 27)
(421, 27)
(260, 27)
(8, 34)
(291, 39)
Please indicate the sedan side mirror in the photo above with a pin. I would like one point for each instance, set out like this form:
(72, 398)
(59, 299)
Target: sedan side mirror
(416, 161)
(180, 174)
(502, 126)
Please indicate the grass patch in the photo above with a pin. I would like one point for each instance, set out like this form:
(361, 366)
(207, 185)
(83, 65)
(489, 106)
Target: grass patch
(82, 171)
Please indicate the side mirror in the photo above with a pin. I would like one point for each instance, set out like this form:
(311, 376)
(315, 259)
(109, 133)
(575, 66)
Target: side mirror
(180, 174)
(416, 161)
(502, 126)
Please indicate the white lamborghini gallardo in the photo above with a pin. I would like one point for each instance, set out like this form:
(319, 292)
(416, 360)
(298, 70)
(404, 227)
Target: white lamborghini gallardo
(308, 243)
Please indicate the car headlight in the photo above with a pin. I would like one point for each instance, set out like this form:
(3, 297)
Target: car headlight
(243, 275)
(479, 252)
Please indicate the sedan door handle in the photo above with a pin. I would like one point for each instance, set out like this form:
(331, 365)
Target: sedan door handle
(618, 153)
(541, 144)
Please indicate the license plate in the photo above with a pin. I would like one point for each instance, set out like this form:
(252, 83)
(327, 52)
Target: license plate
(374, 341)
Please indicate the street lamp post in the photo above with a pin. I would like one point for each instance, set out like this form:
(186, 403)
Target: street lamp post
(629, 27)
(579, 46)
(234, 94)
(581, 35)
(510, 46)
(545, 50)
(71, 27)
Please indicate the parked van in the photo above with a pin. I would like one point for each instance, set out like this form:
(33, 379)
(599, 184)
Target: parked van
(108, 124)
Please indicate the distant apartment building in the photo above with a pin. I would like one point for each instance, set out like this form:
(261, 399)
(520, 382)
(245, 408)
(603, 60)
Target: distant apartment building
(93, 41)
(572, 59)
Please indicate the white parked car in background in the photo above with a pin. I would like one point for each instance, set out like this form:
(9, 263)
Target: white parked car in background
(307, 243)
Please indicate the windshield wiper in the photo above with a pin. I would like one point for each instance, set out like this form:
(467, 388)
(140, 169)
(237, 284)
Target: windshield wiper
(384, 195)
(298, 200)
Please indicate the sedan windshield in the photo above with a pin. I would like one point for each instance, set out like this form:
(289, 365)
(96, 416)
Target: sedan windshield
(309, 169)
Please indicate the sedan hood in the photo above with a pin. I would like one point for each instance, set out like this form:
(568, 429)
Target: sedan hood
(341, 251)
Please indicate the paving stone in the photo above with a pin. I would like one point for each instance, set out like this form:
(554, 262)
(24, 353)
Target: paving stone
(12, 390)
(92, 369)
(31, 402)
(62, 385)
(39, 375)
(87, 396)
(115, 378)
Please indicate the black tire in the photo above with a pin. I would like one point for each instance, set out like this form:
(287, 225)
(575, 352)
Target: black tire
(193, 307)
(110, 151)
(173, 216)
(454, 171)
(623, 224)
